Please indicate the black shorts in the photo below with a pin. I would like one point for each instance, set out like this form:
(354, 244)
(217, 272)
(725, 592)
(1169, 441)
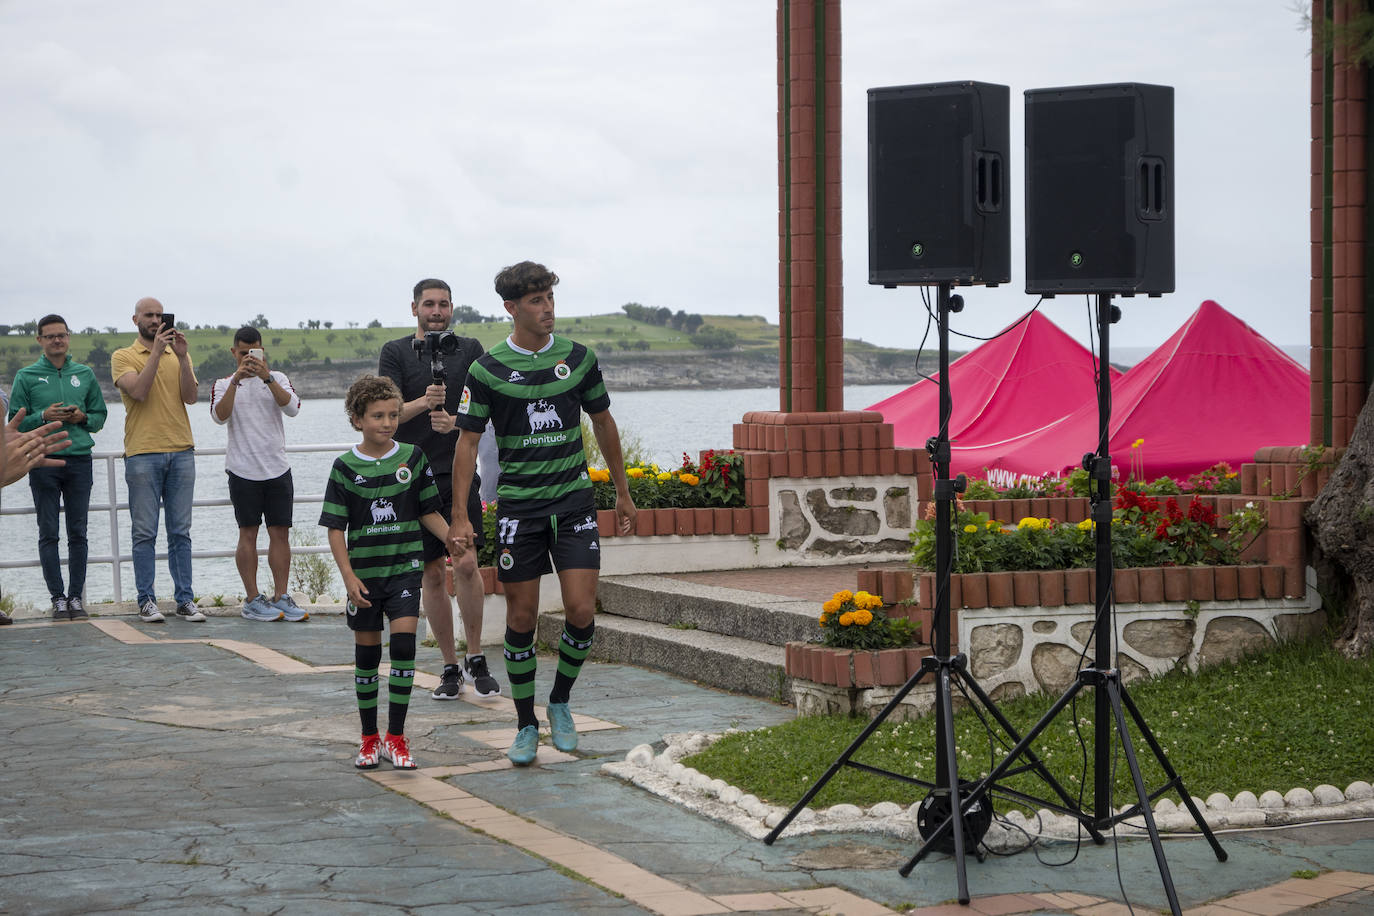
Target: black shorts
(391, 599)
(255, 500)
(435, 548)
(526, 545)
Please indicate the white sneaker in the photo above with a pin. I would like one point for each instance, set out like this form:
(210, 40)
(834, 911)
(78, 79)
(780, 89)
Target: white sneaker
(148, 612)
(188, 611)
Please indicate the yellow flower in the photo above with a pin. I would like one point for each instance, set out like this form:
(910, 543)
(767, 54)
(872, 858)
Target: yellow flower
(636, 473)
(598, 475)
(846, 618)
(863, 617)
(822, 619)
(843, 595)
(690, 479)
(970, 528)
(1028, 522)
(664, 475)
(831, 606)
(1230, 475)
(1085, 525)
(1137, 443)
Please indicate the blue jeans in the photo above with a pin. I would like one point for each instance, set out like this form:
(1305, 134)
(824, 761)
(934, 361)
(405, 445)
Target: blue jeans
(70, 486)
(167, 480)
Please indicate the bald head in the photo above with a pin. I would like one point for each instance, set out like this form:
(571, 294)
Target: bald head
(147, 317)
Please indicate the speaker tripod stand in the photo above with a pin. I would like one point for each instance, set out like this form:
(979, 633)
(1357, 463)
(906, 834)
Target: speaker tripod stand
(969, 812)
(1112, 700)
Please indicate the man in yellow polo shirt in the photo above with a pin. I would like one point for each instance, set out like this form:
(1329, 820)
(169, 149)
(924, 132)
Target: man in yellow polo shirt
(159, 453)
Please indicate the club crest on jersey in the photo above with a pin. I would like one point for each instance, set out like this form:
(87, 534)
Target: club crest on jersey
(506, 561)
(76, 382)
(466, 400)
(542, 415)
(403, 474)
(561, 370)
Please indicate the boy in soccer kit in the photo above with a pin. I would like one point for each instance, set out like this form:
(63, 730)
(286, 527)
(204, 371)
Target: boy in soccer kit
(379, 497)
(533, 387)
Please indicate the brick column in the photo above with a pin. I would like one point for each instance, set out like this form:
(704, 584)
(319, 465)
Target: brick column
(810, 274)
(1340, 261)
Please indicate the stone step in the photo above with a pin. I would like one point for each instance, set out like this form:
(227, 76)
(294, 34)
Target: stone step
(768, 619)
(728, 662)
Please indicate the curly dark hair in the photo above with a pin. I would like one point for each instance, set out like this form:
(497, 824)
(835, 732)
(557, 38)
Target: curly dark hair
(519, 280)
(365, 390)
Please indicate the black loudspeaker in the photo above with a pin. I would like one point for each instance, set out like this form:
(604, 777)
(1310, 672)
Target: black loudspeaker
(1100, 189)
(938, 161)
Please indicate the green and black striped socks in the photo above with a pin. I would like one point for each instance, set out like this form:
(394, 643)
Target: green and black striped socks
(520, 668)
(365, 662)
(573, 647)
(402, 677)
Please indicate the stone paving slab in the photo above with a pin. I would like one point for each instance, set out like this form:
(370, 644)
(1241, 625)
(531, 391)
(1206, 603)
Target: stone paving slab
(183, 767)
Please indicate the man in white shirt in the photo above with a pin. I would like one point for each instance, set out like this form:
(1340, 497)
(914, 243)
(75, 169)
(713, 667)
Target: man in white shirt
(251, 402)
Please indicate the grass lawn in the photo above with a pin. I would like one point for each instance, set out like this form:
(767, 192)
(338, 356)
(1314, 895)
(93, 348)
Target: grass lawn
(1298, 715)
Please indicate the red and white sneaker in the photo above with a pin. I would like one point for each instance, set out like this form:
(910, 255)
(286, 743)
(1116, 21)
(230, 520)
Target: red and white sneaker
(367, 754)
(395, 749)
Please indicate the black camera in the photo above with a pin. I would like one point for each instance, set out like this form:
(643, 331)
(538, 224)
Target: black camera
(436, 345)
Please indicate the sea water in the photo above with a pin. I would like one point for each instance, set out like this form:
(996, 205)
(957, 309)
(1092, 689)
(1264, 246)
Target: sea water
(657, 425)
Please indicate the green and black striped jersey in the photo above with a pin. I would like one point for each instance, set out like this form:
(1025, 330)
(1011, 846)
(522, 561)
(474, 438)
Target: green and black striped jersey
(535, 403)
(379, 502)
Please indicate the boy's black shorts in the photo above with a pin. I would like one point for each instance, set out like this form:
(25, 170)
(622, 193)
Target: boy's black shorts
(255, 500)
(435, 548)
(525, 545)
(391, 598)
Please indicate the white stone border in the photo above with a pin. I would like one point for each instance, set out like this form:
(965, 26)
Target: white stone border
(664, 776)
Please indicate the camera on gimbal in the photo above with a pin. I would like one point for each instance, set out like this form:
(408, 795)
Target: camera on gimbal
(437, 345)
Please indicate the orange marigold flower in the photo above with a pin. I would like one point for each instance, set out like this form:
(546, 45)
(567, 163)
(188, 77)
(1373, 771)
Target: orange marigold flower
(847, 618)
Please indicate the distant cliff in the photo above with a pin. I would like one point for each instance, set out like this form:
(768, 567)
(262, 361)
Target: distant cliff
(683, 369)
(657, 371)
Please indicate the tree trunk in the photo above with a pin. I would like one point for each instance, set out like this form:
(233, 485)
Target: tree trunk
(1342, 521)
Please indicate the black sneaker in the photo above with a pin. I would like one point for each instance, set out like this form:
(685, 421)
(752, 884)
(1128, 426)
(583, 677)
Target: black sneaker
(60, 611)
(75, 609)
(188, 611)
(475, 670)
(450, 684)
(5, 619)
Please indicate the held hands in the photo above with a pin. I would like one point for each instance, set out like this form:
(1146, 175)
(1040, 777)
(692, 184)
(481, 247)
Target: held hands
(460, 537)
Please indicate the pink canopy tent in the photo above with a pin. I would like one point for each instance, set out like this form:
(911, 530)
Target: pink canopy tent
(1031, 375)
(1214, 391)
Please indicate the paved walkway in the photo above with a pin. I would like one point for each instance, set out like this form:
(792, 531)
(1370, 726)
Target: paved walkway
(208, 768)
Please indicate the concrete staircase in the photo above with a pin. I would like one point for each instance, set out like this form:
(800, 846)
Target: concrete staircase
(721, 637)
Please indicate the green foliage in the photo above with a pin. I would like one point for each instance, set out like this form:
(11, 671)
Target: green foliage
(711, 337)
(687, 487)
(311, 573)
(856, 620)
(486, 555)
(1144, 533)
(1294, 716)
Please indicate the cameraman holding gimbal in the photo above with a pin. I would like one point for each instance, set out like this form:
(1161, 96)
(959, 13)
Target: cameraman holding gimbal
(430, 367)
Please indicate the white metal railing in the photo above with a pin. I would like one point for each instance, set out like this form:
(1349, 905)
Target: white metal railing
(113, 504)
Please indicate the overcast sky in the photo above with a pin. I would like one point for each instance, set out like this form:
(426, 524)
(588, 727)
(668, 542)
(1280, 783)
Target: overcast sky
(312, 159)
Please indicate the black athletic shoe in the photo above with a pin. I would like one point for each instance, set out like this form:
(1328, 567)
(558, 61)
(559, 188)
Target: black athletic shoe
(476, 673)
(450, 684)
(75, 609)
(60, 611)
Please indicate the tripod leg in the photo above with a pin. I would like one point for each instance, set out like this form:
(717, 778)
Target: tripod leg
(1040, 768)
(1170, 772)
(1114, 696)
(844, 757)
(956, 816)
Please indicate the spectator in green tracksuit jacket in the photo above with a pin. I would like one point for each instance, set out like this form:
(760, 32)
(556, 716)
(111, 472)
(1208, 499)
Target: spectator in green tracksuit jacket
(57, 387)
